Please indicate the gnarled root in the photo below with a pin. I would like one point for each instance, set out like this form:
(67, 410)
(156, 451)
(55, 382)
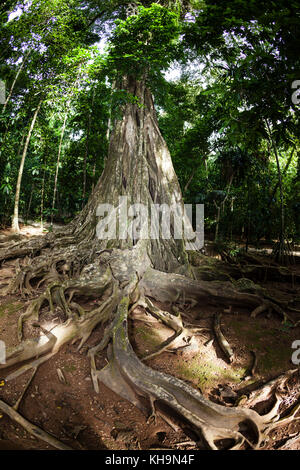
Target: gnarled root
(223, 343)
(267, 390)
(165, 288)
(25, 248)
(129, 377)
(56, 294)
(269, 306)
(75, 328)
(182, 336)
(125, 373)
(32, 428)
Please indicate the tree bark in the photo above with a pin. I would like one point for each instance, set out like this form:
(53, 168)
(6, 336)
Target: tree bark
(138, 166)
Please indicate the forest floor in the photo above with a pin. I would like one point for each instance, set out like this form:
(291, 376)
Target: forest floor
(76, 415)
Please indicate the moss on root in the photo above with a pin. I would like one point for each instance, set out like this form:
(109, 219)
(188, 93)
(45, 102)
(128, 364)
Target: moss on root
(10, 308)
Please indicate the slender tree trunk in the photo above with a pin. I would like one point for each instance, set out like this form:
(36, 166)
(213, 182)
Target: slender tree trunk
(94, 174)
(15, 80)
(84, 169)
(87, 152)
(217, 221)
(60, 146)
(21, 144)
(15, 221)
(220, 208)
(57, 165)
(193, 175)
(281, 236)
(283, 173)
(248, 216)
(231, 221)
(206, 168)
(188, 182)
(42, 198)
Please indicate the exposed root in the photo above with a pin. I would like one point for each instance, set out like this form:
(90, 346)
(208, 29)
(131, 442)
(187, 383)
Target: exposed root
(18, 402)
(214, 421)
(290, 442)
(56, 294)
(250, 372)
(73, 329)
(32, 428)
(31, 365)
(94, 351)
(181, 333)
(223, 343)
(267, 390)
(164, 287)
(21, 283)
(30, 348)
(25, 248)
(260, 309)
(56, 260)
(269, 306)
(125, 373)
(164, 346)
(273, 417)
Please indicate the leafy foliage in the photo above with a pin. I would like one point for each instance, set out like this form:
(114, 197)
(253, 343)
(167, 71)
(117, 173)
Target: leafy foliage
(145, 41)
(223, 119)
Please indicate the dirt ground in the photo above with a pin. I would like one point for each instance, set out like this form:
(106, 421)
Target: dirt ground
(79, 417)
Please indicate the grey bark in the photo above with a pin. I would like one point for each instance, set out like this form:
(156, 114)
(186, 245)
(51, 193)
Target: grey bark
(15, 221)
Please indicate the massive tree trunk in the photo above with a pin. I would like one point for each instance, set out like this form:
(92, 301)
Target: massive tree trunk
(138, 166)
